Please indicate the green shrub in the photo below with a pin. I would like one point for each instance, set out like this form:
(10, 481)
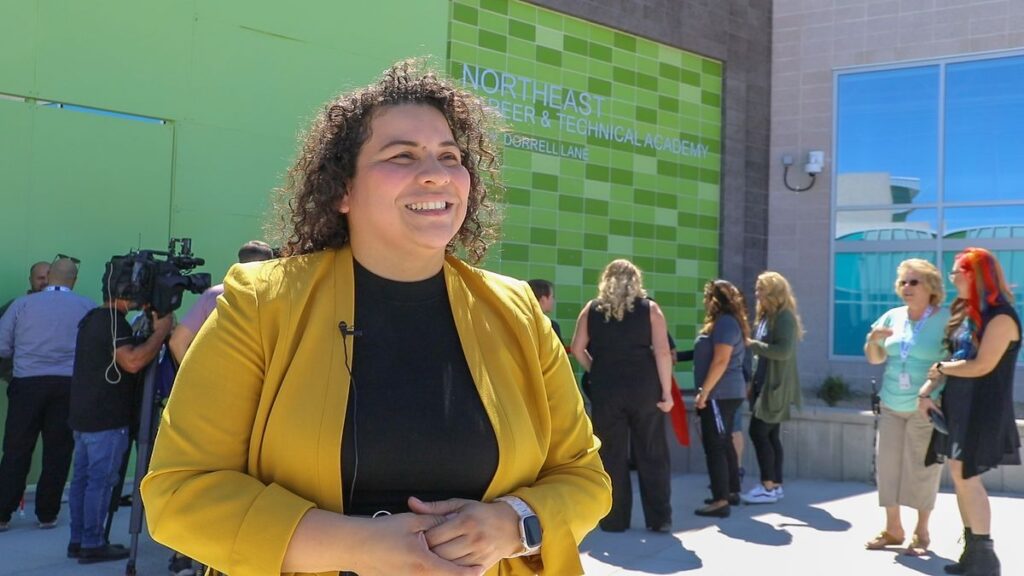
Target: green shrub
(833, 389)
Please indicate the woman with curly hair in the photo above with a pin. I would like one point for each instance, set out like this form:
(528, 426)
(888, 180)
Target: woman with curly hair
(718, 354)
(984, 338)
(622, 340)
(776, 384)
(371, 403)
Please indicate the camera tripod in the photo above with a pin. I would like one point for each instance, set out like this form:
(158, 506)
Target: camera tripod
(143, 449)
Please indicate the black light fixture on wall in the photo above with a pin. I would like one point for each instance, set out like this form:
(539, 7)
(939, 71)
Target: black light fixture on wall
(815, 162)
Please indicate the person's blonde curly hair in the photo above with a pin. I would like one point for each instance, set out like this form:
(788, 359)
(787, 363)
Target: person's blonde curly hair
(621, 284)
(930, 276)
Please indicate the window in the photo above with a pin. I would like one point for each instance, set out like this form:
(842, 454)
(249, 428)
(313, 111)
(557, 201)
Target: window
(864, 289)
(928, 162)
(984, 123)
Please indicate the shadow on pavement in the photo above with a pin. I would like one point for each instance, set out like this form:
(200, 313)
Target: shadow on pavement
(641, 550)
(755, 531)
(816, 518)
(930, 563)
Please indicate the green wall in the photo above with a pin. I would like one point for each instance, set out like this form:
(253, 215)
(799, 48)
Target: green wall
(232, 82)
(180, 118)
(614, 152)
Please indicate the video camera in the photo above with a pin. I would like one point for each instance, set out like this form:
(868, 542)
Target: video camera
(145, 280)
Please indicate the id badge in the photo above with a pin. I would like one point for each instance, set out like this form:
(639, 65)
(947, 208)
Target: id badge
(904, 381)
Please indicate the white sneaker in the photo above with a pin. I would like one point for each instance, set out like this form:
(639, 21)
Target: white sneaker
(779, 493)
(760, 495)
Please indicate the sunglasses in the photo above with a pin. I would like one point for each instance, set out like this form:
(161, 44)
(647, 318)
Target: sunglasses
(66, 257)
(913, 282)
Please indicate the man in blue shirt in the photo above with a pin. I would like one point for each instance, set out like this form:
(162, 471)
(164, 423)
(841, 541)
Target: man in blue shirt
(37, 275)
(38, 331)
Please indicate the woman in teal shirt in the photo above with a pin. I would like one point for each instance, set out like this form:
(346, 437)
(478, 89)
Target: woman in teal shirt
(908, 339)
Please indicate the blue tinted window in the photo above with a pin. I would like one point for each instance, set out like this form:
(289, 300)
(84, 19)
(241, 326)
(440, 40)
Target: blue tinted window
(887, 137)
(897, 223)
(863, 291)
(984, 148)
(890, 202)
(984, 222)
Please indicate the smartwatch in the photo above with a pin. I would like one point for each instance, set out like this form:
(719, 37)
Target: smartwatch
(530, 532)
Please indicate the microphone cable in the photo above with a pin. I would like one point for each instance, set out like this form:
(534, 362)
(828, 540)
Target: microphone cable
(345, 332)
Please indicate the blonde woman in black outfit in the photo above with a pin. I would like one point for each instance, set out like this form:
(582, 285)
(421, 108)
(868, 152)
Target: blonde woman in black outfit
(621, 339)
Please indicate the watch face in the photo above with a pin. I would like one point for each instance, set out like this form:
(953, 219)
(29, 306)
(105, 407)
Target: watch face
(532, 531)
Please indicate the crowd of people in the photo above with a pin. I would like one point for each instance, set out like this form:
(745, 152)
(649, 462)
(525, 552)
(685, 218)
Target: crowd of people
(293, 427)
(74, 381)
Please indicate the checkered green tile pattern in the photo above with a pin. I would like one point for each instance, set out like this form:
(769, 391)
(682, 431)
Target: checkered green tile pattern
(614, 151)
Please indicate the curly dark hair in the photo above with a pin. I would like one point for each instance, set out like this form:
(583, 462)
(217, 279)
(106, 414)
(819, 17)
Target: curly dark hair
(307, 206)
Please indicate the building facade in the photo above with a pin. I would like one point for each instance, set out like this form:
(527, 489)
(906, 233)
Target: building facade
(917, 106)
(123, 124)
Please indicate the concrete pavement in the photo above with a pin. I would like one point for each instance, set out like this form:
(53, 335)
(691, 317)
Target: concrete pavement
(819, 528)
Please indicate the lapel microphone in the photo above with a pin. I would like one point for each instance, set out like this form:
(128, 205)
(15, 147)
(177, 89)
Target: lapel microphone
(347, 330)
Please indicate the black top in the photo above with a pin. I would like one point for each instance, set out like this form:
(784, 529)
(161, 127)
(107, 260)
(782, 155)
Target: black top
(979, 411)
(97, 404)
(415, 424)
(621, 350)
(557, 329)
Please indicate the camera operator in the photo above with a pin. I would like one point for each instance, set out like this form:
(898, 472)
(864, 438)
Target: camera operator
(109, 363)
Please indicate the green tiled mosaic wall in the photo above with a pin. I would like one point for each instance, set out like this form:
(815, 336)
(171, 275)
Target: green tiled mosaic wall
(614, 151)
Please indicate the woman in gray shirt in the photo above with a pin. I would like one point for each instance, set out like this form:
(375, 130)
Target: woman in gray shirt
(718, 371)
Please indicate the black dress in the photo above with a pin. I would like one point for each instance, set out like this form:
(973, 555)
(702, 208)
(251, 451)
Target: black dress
(979, 411)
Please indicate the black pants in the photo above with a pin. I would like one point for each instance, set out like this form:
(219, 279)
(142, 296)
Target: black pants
(768, 446)
(716, 421)
(623, 416)
(36, 405)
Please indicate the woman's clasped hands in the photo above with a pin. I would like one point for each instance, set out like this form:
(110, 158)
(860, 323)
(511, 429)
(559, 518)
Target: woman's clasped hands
(474, 533)
(457, 537)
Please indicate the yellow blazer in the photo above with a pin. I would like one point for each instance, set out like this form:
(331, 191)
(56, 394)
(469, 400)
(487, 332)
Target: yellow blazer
(251, 437)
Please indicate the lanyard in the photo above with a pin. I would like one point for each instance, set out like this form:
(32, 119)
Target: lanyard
(910, 333)
(56, 289)
(762, 329)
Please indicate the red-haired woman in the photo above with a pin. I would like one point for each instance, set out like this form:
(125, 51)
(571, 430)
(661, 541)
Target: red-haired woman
(984, 338)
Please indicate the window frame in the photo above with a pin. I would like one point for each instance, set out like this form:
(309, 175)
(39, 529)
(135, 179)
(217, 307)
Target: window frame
(940, 245)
